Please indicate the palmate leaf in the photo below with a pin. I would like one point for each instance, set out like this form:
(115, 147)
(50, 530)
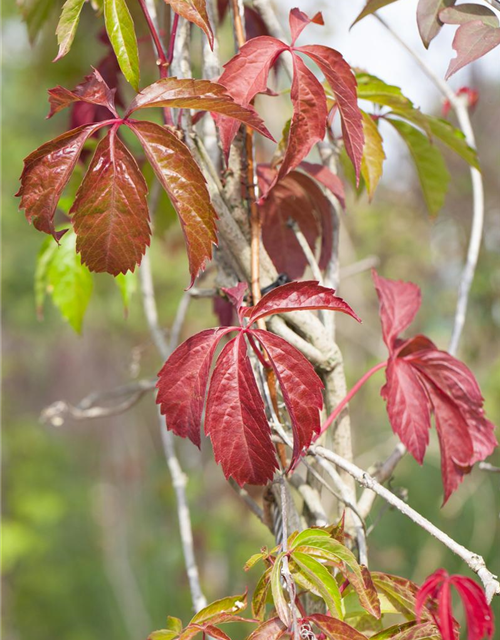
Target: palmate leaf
(59, 273)
(247, 74)
(235, 418)
(121, 33)
(422, 380)
(112, 224)
(478, 612)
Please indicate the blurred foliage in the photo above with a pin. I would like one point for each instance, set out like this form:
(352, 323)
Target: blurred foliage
(90, 540)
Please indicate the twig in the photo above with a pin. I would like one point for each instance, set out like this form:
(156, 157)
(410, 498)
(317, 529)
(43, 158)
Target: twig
(350, 501)
(345, 401)
(459, 105)
(90, 408)
(383, 473)
(306, 250)
(486, 466)
(178, 476)
(179, 319)
(244, 495)
(359, 267)
(474, 561)
(312, 499)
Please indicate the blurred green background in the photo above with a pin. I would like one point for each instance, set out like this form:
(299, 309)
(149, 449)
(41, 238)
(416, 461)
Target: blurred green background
(90, 540)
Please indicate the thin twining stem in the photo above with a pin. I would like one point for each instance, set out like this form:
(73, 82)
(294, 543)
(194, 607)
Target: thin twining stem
(474, 561)
(338, 409)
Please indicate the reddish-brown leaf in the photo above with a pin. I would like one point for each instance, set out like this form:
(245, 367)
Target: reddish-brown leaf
(92, 90)
(197, 94)
(245, 76)
(235, 419)
(195, 11)
(478, 612)
(308, 125)
(343, 84)
(408, 406)
(183, 381)
(422, 379)
(300, 386)
(297, 296)
(335, 629)
(46, 172)
(472, 41)
(110, 211)
(299, 20)
(185, 184)
(399, 302)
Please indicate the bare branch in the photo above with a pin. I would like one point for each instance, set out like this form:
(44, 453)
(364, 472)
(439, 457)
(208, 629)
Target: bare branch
(383, 473)
(306, 249)
(361, 266)
(474, 561)
(91, 408)
(486, 466)
(312, 498)
(178, 477)
(244, 495)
